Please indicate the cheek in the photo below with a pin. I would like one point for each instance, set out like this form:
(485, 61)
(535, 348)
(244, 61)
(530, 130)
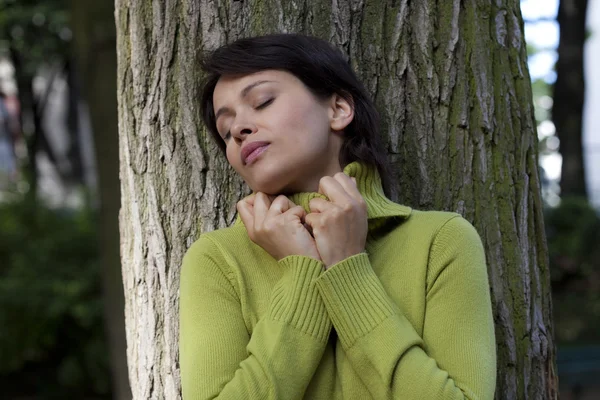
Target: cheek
(228, 154)
(233, 158)
(311, 133)
(306, 126)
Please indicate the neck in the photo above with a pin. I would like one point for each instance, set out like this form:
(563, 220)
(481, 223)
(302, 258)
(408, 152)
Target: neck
(311, 184)
(308, 180)
(368, 181)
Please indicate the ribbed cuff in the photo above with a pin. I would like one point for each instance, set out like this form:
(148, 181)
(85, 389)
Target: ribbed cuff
(355, 300)
(296, 300)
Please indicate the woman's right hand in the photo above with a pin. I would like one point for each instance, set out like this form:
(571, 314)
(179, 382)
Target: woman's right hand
(277, 226)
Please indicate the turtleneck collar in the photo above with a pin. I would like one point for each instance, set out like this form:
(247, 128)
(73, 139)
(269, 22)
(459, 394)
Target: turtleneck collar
(368, 181)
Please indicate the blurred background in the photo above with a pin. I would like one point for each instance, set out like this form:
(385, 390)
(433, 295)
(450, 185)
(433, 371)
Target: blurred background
(60, 284)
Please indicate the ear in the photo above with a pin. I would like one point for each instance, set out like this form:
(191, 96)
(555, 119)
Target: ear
(341, 113)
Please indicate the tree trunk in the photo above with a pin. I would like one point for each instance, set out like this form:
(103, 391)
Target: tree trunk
(569, 93)
(451, 81)
(93, 23)
(27, 119)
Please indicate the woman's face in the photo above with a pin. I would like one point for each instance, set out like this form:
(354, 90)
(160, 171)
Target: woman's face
(280, 138)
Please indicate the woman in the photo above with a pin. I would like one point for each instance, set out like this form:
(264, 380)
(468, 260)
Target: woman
(324, 288)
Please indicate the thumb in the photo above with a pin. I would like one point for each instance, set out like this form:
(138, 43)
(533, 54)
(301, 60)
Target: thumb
(246, 211)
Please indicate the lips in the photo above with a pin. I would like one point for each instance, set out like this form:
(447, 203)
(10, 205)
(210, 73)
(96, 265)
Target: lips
(252, 150)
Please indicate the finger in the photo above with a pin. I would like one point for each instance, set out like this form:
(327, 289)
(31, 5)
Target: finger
(246, 212)
(331, 188)
(261, 208)
(297, 211)
(312, 220)
(320, 205)
(309, 229)
(249, 199)
(349, 185)
(280, 205)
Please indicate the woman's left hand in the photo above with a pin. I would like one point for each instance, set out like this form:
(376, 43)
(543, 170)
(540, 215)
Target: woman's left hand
(340, 225)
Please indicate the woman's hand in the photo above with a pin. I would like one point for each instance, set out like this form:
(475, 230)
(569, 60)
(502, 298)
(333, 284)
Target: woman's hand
(340, 225)
(277, 226)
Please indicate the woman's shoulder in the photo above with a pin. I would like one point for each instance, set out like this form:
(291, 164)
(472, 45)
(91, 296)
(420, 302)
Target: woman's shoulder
(225, 235)
(433, 219)
(446, 229)
(209, 259)
(430, 226)
(219, 242)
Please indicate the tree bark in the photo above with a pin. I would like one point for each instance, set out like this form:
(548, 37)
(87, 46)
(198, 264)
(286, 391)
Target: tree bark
(451, 82)
(95, 40)
(569, 94)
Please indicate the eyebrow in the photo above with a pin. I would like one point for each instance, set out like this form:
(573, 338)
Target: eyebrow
(243, 94)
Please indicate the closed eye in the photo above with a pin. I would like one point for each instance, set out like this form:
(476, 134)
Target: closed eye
(227, 136)
(265, 104)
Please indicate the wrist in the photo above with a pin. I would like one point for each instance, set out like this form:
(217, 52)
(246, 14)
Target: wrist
(338, 259)
(314, 256)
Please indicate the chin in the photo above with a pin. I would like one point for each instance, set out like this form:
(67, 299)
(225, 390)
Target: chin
(274, 183)
(270, 188)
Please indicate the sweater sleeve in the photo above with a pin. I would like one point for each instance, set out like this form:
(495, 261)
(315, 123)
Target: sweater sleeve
(455, 358)
(219, 359)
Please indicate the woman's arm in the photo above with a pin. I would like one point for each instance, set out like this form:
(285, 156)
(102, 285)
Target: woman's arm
(455, 359)
(219, 359)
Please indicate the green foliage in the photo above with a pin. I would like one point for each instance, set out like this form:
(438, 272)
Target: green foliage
(39, 30)
(51, 333)
(573, 232)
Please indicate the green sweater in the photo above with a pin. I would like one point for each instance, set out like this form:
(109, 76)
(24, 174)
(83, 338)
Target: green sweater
(410, 318)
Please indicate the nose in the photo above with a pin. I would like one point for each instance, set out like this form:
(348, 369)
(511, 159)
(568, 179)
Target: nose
(241, 129)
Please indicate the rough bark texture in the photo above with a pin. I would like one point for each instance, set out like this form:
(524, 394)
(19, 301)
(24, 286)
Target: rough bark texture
(569, 94)
(95, 39)
(451, 81)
